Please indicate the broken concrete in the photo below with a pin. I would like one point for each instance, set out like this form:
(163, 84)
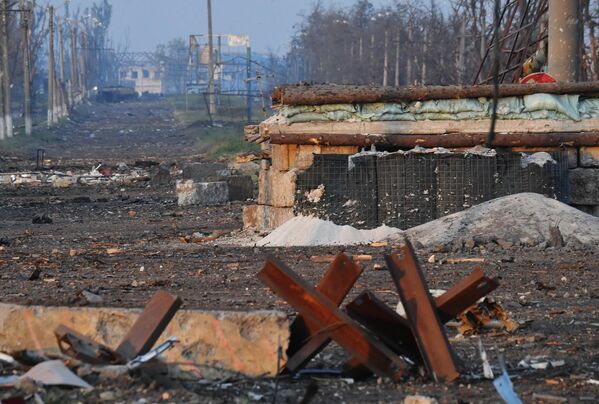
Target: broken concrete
(244, 342)
(190, 192)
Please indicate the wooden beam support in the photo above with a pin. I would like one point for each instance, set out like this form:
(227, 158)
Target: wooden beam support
(450, 140)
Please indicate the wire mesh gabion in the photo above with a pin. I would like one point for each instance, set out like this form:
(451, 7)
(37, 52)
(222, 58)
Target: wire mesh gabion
(407, 189)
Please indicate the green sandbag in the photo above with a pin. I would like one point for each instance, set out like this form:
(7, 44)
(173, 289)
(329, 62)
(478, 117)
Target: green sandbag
(564, 104)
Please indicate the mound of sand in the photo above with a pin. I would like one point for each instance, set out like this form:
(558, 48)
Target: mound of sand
(302, 231)
(525, 218)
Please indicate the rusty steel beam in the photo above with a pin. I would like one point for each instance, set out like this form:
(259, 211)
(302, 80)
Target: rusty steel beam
(422, 314)
(149, 325)
(306, 341)
(80, 347)
(394, 330)
(385, 323)
(464, 294)
(317, 308)
(554, 139)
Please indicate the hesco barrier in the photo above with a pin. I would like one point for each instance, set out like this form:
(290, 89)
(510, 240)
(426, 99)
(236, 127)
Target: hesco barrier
(407, 189)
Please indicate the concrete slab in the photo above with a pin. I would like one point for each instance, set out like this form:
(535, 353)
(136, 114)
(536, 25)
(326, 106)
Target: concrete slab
(244, 342)
(190, 192)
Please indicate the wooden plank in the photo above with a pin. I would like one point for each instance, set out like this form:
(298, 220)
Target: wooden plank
(329, 318)
(422, 314)
(339, 150)
(475, 127)
(305, 341)
(450, 140)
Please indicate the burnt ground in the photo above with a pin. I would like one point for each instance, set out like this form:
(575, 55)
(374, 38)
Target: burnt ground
(124, 242)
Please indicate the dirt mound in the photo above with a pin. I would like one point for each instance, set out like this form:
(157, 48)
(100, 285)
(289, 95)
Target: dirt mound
(310, 231)
(526, 219)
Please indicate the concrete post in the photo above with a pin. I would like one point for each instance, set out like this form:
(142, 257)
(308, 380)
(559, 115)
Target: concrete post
(564, 57)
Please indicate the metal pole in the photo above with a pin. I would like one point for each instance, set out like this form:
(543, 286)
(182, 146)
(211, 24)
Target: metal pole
(564, 57)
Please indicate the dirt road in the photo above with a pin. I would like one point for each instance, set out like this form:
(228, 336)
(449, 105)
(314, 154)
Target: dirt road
(124, 242)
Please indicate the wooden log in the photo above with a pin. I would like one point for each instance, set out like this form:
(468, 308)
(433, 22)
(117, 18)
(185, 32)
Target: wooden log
(348, 94)
(449, 140)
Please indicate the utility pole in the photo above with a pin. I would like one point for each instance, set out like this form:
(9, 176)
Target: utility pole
(212, 97)
(564, 56)
(51, 71)
(26, 55)
(6, 70)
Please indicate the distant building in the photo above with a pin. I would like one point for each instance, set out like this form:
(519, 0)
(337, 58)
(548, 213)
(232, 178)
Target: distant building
(145, 79)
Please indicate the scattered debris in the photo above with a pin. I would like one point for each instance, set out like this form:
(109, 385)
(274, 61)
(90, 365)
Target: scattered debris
(487, 314)
(55, 373)
(42, 219)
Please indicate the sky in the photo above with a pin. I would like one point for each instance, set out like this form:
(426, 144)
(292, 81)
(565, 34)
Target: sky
(147, 23)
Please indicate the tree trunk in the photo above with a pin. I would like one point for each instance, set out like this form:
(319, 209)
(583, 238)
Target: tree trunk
(397, 50)
(25, 54)
(6, 71)
(51, 71)
(386, 59)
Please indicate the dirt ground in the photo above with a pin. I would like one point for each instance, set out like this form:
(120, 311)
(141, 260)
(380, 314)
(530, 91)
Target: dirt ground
(552, 292)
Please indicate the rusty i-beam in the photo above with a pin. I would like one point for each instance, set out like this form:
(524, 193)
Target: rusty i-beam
(422, 314)
(318, 309)
(306, 341)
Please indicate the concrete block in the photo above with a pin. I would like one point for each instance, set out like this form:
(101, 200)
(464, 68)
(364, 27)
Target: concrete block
(589, 156)
(190, 192)
(304, 156)
(241, 187)
(244, 342)
(264, 217)
(277, 188)
(280, 157)
(202, 172)
(584, 186)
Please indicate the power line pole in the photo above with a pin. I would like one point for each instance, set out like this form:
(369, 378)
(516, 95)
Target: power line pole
(51, 72)
(212, 97)
(61, 62)
(6, 71)
(26, 55)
